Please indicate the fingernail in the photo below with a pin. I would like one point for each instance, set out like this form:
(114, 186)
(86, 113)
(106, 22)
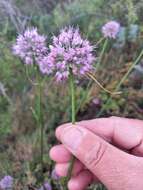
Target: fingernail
(72, 137)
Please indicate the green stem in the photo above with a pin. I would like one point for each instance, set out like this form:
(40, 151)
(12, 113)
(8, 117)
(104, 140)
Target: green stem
(72, 89)
(121, 82)
(40, 121)
(41, 125)
(102, 53)
(98, 42)
(38, 112)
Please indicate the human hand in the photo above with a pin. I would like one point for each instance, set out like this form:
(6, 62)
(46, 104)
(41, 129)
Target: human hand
(109, 150)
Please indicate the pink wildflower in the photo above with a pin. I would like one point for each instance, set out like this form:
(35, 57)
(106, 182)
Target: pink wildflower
(111, 29)
(68, 50)
(6, 183)
(30, 46)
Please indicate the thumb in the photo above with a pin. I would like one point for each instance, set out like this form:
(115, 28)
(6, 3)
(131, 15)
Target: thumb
(112, 166)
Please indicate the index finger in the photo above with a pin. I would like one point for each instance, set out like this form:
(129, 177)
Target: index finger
(123, 132)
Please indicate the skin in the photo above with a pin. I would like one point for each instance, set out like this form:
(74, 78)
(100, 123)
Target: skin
(109, 150)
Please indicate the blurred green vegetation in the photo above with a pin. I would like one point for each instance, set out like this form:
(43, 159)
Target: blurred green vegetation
(16, 121)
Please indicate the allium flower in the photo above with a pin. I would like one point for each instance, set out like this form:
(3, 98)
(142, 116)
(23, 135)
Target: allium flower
(46, 186)
(111, 29)
(54, 175)
(68, 50)
(6, 183)
(30, 46)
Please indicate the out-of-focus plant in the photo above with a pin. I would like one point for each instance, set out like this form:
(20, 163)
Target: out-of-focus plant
(132, 14)
(31, 47)
(122, 80)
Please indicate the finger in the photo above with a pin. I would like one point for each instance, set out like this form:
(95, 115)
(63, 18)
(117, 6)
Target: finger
(81, 181)
(123, 132)
(108, 163)
(65, 156)
(60, 154)
(126, 133)
(62, 169)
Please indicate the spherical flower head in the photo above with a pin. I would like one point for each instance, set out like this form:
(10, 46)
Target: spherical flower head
(6, 183)
(46, 186)
(54, 175)
(30, 46)
(111, 29)
(68, 50)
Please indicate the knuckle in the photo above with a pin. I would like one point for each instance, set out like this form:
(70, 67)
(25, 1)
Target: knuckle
(95, 155)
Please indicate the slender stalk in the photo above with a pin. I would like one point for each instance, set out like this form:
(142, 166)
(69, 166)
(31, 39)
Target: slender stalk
(40, 120)
(38, 112)
(41, 125)
(122, 81)
(102, 52)
(72, 88)
(28, 77)
(100, 85)
(98, 42)
(73, 111)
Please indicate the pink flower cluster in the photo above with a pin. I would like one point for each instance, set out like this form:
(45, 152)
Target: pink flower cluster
(30, 46)
(111, 29)
(6, 183)
(68, 50)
